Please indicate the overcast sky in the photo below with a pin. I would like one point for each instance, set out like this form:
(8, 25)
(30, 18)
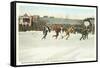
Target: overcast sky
(72, 12)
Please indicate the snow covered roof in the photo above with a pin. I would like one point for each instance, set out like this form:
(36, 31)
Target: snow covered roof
(25, 15)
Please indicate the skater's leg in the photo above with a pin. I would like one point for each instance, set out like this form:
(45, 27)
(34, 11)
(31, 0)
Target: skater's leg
(57, 34)
(87, 36)
(67, 36)
(81, 37)
(44, 37)
(84, 37)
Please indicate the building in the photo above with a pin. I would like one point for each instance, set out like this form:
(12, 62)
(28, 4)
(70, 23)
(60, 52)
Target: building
(33, 22)
(25, 20)
(28, 20)
(35, 18)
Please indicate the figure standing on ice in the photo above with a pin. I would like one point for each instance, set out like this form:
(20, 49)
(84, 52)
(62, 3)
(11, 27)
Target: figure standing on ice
(84, 33)
(68, 31)
(46, 29)
(57, 31)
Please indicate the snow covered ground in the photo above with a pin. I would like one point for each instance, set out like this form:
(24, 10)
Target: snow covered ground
(33, 50)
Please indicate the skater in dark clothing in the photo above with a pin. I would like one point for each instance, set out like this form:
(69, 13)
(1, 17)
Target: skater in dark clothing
(84, 34)
(57, 31)
(46, 29)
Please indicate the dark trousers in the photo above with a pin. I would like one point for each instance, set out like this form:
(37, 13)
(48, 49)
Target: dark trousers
(84, 36)
(45, 34)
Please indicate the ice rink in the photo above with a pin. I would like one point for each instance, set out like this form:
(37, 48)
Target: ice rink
(32, 49)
